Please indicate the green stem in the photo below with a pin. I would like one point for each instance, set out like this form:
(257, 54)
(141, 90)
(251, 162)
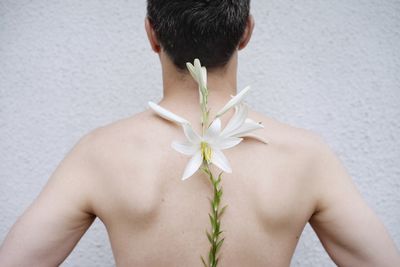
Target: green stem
(215, 219)
(204, 111)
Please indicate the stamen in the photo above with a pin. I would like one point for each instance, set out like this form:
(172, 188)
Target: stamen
(206, 151)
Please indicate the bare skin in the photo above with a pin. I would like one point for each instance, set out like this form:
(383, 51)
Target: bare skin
(127, 175)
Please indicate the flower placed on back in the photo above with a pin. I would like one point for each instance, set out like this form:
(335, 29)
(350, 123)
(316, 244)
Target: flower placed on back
(206, 149)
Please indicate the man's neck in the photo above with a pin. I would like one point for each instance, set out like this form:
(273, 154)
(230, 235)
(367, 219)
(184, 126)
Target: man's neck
(180, 91)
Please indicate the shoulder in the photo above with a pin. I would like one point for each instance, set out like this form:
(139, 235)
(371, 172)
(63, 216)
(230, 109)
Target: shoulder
(103, 153)
(304, 153)
(319, 167)
(108, 148)
(120, 135)
(290, 140)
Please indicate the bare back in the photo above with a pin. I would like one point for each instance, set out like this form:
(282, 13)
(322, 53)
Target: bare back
(127, 174)
(155, 219)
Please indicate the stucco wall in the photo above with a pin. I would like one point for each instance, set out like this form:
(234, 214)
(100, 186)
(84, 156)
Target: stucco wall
(67, 67)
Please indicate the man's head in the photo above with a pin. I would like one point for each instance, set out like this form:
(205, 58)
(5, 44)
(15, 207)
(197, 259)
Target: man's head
(210, 30)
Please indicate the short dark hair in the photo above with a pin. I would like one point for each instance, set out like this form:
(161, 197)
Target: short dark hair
(209, 30)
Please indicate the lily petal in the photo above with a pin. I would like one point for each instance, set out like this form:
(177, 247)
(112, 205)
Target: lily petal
(166, 114)
(247, 127)
(185, 148)
(253, 136)
(204, 74)
(234, 101)
(197, 67)
(237, 119)
(190, 134)
(213, 131)
(193, 165)
(225, 143)
(201, 74)
(192, 70)
(218, 159)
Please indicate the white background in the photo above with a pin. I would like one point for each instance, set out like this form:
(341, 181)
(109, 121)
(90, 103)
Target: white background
(67, 67)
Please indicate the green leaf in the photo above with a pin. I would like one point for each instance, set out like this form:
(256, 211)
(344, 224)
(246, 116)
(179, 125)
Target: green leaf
(219, 193)
(205, 171)
(209, 237)
(204, 262)
(219, 177)
(212, 220)
(221, 212)
(219, 244)
(217, 225)
(214, 206)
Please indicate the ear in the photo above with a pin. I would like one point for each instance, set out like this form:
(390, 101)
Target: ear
(247, 33)
(151, 35)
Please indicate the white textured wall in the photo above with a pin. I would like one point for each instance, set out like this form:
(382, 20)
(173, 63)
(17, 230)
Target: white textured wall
(67, 67)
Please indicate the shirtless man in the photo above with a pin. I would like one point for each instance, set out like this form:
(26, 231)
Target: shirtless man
(127, 174)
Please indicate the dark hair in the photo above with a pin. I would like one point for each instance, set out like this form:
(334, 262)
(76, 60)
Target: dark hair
(209, 30)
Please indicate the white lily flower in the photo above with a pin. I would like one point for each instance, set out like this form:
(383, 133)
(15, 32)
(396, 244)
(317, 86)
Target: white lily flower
(239, 125)
(166, 114)
(199, 74)
(234, 101)
(209, 147)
